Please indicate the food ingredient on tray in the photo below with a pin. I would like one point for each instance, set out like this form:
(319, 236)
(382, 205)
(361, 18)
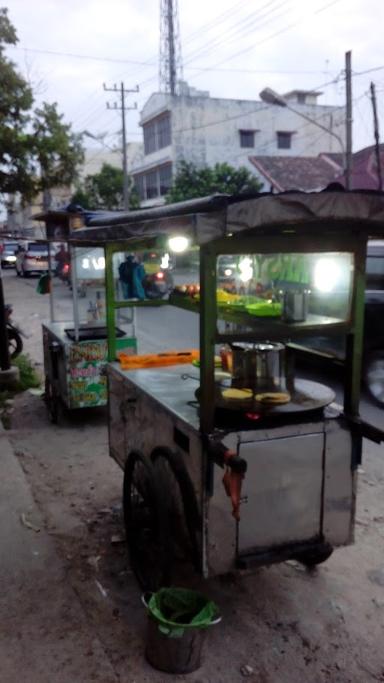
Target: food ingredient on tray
(218, 363)
(237, 394)
(273, 397)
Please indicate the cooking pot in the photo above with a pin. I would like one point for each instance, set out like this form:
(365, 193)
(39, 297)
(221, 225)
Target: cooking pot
(259, 366)
(295, 305)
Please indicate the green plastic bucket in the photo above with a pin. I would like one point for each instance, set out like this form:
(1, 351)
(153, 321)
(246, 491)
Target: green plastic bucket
(178, 620)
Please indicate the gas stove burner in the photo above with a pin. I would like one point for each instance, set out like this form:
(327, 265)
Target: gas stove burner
(305, 396)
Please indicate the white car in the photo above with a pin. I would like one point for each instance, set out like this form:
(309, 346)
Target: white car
(7, 253)
(32, 257)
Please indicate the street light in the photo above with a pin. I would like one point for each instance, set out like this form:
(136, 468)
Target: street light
(271, 97)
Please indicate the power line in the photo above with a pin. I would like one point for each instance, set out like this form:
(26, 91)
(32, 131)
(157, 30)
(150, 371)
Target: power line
(73, 55)
(274, 35)
(243, 27)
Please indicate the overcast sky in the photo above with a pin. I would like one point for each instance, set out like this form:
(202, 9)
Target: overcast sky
(231, 48)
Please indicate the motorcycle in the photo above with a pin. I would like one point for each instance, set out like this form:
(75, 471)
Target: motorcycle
(158, 285)
(14, 334)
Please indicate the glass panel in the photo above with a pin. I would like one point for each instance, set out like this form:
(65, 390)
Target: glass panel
(375, 272)
(165, 175)
(140, 185)
(164, 131)
(151, 184)
(149, 132)
(90, 274)
(142, 275)
(284, 140)
(247, 138)
(293, 287)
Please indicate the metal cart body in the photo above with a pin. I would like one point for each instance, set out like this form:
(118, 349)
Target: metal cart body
(297, 467)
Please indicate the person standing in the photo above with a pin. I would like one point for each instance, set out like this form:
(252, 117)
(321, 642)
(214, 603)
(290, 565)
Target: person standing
(131, 274)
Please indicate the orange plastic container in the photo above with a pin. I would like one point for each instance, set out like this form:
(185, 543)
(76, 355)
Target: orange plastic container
(157, 360)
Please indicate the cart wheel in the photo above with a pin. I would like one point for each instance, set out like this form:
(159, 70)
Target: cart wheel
(184, 519)
(145, 523)
(315, 555)
(15, 343)
(52, 401)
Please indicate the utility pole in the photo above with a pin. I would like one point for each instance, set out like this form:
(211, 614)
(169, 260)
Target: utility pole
(348, 122)
(377, 137)
(123, 91)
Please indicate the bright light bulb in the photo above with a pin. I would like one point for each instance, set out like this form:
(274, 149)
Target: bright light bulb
(164, 261)
(178, 244)
(326, 275)
(246, 270)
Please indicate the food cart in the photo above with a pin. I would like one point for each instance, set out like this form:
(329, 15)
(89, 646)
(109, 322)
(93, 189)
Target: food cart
(75, 348)
(248, 463)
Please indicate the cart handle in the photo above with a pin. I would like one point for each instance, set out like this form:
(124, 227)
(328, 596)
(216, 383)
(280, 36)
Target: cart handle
(225, 457)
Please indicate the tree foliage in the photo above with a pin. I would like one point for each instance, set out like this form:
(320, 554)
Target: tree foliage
(37, 150)
(104, 190)
(192, 182)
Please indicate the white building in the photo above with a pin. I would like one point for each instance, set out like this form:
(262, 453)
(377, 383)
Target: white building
(95, 157)
(195, 127)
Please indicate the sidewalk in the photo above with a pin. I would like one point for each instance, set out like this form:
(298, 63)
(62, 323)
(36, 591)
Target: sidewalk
(44, 634)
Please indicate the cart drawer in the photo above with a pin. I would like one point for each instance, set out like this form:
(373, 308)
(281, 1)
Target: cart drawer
(281, 493)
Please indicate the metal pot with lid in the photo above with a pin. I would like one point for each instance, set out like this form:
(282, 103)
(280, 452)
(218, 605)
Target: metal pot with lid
(259, 366)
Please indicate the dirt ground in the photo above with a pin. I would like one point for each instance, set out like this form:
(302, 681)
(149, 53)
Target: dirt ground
(280, 624)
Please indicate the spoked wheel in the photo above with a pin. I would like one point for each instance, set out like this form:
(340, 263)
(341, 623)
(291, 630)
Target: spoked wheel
(145, 523)
(184, 519)
(52, 401)
(15, 343)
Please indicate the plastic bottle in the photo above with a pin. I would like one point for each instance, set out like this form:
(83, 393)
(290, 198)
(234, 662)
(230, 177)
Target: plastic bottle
(99, 306)
(90, 317)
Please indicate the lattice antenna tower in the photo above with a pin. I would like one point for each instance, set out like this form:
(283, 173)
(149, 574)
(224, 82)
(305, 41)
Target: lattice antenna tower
(171, 70)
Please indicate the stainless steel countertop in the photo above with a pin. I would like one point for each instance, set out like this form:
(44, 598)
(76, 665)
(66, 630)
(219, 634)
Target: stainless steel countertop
(166, 386)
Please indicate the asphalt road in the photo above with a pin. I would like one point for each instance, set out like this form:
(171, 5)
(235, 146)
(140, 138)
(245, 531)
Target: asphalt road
(157, 329)
(280, 624)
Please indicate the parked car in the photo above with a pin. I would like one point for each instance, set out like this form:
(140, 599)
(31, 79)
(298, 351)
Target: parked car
(8, 254)
(32, 257)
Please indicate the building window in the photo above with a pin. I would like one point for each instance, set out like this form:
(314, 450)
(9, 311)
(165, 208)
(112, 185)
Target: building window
(157, 133)
(165, 177)
(284, 140)
(151, 181)
(140, 185)
(149, 131)
(247, 138)
(163, 131)
(154, 183)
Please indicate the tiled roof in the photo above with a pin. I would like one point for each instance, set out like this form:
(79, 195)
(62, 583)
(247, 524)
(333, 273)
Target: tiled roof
(364, 169)
(295, 173)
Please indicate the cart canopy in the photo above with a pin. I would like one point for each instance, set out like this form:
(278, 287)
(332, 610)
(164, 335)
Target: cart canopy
(210, 218)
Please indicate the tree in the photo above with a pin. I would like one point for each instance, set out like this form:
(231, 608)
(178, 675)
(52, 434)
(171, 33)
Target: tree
(37, 150)
(104, 190)
(192, 182)
(15, 103)
(56, 150)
